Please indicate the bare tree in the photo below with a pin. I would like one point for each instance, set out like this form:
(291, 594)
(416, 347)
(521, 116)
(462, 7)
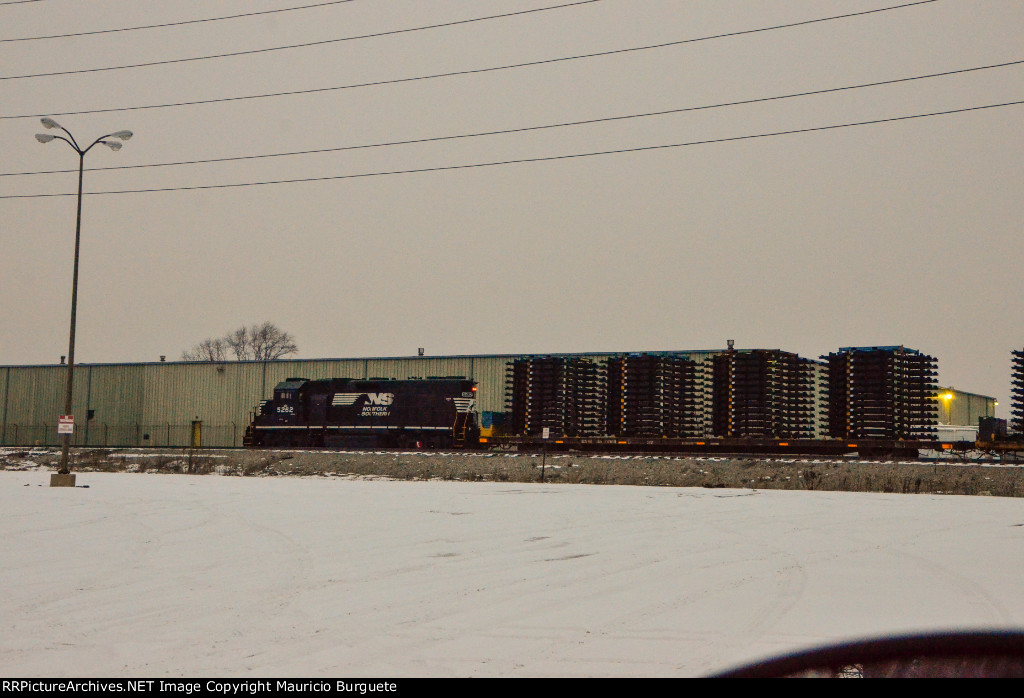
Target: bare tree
(269, 342)
(258, 342)
(238, 342)
(262, 342)
(207, 350)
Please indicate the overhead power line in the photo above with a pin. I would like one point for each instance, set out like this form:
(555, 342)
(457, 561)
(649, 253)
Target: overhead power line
(581, 122)
(548, 158)
(475, 71)
(308, 44)
(166, 24)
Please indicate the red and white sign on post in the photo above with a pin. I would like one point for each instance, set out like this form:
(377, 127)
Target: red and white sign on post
(66, 424)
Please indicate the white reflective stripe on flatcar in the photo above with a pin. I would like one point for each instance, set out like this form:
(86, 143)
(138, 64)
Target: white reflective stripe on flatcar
(329, 426)
(332, 426)
(281, 426)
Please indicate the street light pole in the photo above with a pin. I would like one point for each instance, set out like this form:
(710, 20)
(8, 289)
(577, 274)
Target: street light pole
(64, 478)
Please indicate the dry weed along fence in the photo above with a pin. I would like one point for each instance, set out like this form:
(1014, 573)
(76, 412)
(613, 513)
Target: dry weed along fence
(906, 477)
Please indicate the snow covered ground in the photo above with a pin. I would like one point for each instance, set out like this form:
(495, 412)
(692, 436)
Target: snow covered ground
(174, 575)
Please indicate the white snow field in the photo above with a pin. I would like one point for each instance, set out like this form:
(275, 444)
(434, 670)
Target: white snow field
(176, 575)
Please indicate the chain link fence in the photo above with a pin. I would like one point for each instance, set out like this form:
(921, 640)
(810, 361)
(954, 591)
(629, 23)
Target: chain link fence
(127, 435)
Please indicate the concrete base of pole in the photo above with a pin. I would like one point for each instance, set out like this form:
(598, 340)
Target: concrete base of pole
(60, 480)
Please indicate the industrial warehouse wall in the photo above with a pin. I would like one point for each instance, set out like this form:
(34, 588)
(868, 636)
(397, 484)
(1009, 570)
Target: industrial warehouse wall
(963, 409)
(155, 404)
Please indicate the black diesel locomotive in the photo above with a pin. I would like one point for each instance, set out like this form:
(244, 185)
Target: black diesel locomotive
(351, 413)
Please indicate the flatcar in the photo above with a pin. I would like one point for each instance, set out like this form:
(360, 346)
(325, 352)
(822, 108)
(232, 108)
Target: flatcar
(352, 413)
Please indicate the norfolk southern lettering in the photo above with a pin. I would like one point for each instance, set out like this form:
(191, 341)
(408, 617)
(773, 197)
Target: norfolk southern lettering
(377, 404)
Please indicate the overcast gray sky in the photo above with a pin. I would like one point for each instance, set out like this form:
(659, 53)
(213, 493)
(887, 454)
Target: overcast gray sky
(906, 232)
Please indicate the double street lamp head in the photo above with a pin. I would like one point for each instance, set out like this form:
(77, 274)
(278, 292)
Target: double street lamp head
(70, 140)
(115, 145)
